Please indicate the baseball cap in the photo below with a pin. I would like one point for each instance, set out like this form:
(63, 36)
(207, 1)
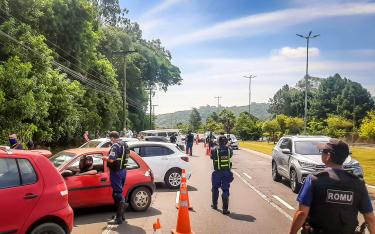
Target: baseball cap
(338, 148)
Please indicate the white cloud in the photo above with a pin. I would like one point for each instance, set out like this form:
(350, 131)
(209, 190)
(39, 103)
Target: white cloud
(164, 5)
(299, 52)
(271, 22)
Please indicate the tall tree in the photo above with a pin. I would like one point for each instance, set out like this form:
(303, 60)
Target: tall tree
(195, 120)
(228, 119)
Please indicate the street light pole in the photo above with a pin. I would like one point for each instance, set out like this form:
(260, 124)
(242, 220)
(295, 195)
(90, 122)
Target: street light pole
(250, 77)
(307, 72)
(124, 54)
(218, 102)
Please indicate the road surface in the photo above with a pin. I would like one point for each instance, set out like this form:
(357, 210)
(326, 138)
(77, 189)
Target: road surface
(257, 204)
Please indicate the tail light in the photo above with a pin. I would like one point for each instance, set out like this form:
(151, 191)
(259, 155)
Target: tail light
(185, 158)
(63, 190)
(149, 173)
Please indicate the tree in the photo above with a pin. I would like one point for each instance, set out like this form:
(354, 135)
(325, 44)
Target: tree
(367, 129)
(228, 119)
(214, 116)
(270, 129)
(282, 121)
(294, 125)
(214, 126)
(338, 126)
(195, 120)
(247, 128)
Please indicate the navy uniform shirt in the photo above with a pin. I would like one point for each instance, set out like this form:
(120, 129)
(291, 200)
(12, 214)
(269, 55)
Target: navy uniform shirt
(117, 150)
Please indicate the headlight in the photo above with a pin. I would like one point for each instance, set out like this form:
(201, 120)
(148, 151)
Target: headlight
(306, 164)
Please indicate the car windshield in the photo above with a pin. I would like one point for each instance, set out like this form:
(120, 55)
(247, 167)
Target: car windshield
(91, 144)
(61, 158)
(233, 137)
(307, 147)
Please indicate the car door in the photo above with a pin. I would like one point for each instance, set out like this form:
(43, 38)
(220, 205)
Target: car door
(284, 158)
(20, 189)
(156, 159)
(89, 190)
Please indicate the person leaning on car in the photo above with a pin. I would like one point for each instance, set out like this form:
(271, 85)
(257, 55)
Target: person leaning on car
(117, 162)
(329, 201)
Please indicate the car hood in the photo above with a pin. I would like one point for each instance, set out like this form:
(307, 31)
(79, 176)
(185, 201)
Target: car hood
(318, 159)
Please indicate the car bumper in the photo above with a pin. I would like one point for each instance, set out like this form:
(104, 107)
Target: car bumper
(67, 215)
(304, 172)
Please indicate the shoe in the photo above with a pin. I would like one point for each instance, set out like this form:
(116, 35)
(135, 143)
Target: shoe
(120, 214)
(214, 207)
(225, 206)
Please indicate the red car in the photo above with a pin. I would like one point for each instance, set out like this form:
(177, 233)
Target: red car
(95, 189)
(33, 195)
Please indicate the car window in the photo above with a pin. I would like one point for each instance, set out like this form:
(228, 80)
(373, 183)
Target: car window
(28, 174)
(91, 144)
(164, 134)
(107, 144)
(136, 150)
(98, 163)
(132, 164)
(61, 158)
(286, 144)
(9, 176)
(152, 151)
(307, 147)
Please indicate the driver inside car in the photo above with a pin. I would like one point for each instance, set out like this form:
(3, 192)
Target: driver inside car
(86, 167)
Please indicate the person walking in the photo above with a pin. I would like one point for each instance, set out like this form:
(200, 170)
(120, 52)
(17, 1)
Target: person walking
(222, 175)
(329, 201)
(14, 144)
(86, 136)
(189, 143)
(117, 162)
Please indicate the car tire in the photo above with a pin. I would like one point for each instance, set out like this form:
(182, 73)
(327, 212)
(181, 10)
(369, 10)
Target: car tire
(51, 228)
(140, 199)
(294, 184)
(275, 174)
(173, 178)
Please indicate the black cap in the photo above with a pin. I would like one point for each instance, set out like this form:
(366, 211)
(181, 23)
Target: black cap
(222, 140)
(338, 148)
(114, 134)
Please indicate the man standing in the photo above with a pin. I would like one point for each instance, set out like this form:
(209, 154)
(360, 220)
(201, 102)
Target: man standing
(117, 162)
(14, 144)
(189, 143)
(330, 200)
(173, 138)
(222, 175)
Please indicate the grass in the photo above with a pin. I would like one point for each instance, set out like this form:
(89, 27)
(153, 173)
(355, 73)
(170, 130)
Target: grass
(365, 155)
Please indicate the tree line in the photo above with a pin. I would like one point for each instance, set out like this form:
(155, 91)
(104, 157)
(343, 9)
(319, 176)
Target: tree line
(337, 107)
(60, 75)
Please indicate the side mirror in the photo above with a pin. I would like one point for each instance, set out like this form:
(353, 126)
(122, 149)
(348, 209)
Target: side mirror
(66, 173)
(286, 151)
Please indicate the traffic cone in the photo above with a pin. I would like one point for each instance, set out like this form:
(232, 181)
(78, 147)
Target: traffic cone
(157, 227)
(183, 218)
(178, 194)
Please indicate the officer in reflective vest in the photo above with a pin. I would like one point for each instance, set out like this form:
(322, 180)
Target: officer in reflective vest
(117, 162)
(329, 201)
(222, 175)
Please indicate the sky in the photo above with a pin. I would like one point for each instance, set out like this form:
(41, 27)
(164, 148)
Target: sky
(217, 42)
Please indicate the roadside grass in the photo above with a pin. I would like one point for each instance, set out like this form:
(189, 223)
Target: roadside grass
(365, 155)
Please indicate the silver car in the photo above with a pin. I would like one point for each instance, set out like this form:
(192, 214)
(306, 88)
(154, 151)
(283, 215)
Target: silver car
(295, 157)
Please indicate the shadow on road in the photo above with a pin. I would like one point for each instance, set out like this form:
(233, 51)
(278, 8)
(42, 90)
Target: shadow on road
(126, 228)
(242, 217)
(162, 188)
(103, 214)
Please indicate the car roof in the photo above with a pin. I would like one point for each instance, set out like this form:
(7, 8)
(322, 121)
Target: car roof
(160, 130)
(149, 143)
(308, 138)
(80, 151)
(19, 153)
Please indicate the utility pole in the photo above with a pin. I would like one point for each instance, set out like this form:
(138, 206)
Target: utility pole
(150, 89)
(354, 128)
(124, 55)
(250, 77)
(218, 102)
(307, 72)
(153, 111)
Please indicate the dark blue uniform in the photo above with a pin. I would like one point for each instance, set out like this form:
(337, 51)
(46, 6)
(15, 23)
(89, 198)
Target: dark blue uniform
(189, 143)
(119, 153)
(222, 175)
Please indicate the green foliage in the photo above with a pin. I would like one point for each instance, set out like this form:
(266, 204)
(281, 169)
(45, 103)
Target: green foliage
(213, 126)
(247, 128)
(270, 129)
(195, 120)
(294, 125)
(338, 126)
(367, 129)
(228, 119)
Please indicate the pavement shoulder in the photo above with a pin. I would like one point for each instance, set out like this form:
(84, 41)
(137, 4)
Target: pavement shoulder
(257, 153)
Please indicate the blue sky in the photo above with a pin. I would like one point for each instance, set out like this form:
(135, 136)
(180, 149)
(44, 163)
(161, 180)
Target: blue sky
(216, 42)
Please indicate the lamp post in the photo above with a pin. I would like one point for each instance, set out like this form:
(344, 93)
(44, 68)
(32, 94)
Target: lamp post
(250, 77)
(308, 37)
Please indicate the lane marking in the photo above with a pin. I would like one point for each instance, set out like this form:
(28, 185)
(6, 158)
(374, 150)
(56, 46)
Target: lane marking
(264, 197)
(247, 175)
(284, 202)
(177, 197)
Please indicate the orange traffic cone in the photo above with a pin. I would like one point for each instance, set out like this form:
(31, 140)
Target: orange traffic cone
(157, 227)
(183, 218)
(183, 185)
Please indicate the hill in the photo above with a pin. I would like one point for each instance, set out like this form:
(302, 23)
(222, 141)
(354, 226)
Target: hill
(171, 119)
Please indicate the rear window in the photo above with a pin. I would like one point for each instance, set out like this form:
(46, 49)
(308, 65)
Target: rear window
(61, 158)
(152, 151)
(13, 175)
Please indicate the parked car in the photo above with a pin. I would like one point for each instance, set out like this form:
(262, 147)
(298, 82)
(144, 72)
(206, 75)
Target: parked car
(167, 133)
(295, 157)
(156, 139)
(165, 160)
(139, 185)
(34, 197)
(232, 140)
(104, 142)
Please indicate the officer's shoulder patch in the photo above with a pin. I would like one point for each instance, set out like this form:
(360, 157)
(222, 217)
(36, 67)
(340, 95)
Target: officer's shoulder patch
(340, 197)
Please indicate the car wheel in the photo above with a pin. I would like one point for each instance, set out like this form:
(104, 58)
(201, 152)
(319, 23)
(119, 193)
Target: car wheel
(173, 178)
(50, 228)
(275, 174)
(140, 199)
(294, 184)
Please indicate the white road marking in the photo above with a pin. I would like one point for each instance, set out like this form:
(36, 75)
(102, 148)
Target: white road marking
(284, 202)
(250, 178)
(370, 186)
(264, 197)
(177, 197)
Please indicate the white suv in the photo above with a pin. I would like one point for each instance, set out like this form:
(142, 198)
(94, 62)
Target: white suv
(165, 160)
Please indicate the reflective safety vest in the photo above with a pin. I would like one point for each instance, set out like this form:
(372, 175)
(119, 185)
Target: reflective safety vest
(122, 161)
(222, 162)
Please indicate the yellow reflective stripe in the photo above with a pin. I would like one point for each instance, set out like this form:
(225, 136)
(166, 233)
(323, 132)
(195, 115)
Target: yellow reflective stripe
(218, 159)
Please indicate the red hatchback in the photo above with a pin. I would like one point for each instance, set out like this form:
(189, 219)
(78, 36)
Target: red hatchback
(33, 195)
(95, 189)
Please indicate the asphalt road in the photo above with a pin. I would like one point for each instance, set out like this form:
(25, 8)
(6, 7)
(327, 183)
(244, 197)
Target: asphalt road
(257, 204)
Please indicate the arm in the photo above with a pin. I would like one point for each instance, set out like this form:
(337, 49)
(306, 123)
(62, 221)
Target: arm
(91, 172)
(370, 220)
(299, 218)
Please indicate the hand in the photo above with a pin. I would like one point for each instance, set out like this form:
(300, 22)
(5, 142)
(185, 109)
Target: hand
(105, 158)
